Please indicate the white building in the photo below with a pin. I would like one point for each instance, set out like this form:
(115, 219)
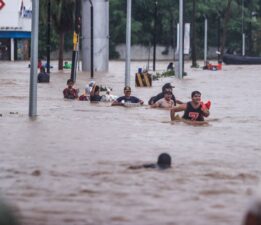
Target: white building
(15, 29)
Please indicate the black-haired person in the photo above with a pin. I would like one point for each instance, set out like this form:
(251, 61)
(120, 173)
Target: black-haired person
(164, 162)
(253, 215)
(43, 77)
(166, 102)
(95, 94)
(165, 88)
(70, 92)
(194, 110)
(127, 98)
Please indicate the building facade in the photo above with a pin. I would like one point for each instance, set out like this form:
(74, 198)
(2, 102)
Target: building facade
(15, 29)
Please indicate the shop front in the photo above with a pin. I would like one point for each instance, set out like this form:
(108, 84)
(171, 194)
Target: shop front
(15, 29)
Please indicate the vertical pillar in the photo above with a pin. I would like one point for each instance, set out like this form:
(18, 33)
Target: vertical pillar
(100, 35)
(12, 49)
(205, 40)
(34, 59)
(155, 35)
(181, 40)
(128, 44)
(48, 37)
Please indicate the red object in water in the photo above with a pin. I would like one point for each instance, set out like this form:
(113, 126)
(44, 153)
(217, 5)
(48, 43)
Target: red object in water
(2, 4)
(208, 104)
(39, 62)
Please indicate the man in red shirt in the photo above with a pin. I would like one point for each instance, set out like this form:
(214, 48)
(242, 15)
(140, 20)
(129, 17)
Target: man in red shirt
(70, 92)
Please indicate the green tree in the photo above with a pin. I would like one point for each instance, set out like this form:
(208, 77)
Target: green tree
(62, 15)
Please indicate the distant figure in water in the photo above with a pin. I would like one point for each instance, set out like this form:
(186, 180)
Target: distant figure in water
(253, 216)
(70, 92)
(164, 162)
(170, 67)
(43, 77)
(95, 94)
(194, 110)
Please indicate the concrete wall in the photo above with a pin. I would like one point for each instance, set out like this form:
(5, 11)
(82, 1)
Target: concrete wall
(139, 52)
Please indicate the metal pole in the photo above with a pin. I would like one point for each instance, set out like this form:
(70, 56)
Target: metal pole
(76, 35)
(243, 32)
(181, 41)
(206, 41)
(218, 37)
(155, 35)
(34, 59)
(92, 54)
(48, 45)
(128, 44)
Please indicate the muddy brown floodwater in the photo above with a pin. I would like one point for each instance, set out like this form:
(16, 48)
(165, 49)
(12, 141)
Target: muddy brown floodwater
(70, 164)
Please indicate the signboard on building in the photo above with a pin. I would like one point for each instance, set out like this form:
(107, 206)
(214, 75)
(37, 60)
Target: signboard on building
(16, 15)
(2, 4)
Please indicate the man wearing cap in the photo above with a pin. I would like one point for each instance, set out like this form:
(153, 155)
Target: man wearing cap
(165, 88)
(194, 110)
(127, 98)
(166, 102)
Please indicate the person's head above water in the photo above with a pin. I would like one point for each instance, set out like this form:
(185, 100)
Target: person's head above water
(167, 87)
(70, 83)
(127, 91)
(164, 161)
(253, 215)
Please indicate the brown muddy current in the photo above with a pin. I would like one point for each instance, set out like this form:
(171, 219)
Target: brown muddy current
(70, 164)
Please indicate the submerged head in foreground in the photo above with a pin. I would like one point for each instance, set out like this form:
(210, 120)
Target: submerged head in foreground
(164, 162)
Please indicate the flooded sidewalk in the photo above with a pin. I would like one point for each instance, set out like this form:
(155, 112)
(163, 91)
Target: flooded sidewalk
(70, 164)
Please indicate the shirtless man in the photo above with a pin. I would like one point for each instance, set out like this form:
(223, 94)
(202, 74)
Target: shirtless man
(165, 102)
(194, 110)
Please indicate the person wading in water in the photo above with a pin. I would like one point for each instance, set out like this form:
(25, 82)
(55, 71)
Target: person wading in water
(194, 110)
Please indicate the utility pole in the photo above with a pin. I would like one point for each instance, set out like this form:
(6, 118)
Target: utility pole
(128, 44)
(243, 31)
(92, 54)
(76, 37)
(206, 40)
(155, 35)
(34, 59)
(181, 39)
(48, 44)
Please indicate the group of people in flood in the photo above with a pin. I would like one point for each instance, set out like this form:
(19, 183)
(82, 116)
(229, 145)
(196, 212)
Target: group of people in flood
(194, 110)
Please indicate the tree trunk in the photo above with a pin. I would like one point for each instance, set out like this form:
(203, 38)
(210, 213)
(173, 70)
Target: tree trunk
(61, 46)
(226, 19)
(193, 39)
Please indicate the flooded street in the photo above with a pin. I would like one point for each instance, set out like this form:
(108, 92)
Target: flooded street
(70, 164)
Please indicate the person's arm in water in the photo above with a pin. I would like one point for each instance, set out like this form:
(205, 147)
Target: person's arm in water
(156, 105)
(179, 102)
(93, 90)
(118, 102)
(175, 109)
(152, 165)
(141, 102)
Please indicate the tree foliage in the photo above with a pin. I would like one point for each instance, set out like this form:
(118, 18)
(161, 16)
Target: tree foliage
(227, 12)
